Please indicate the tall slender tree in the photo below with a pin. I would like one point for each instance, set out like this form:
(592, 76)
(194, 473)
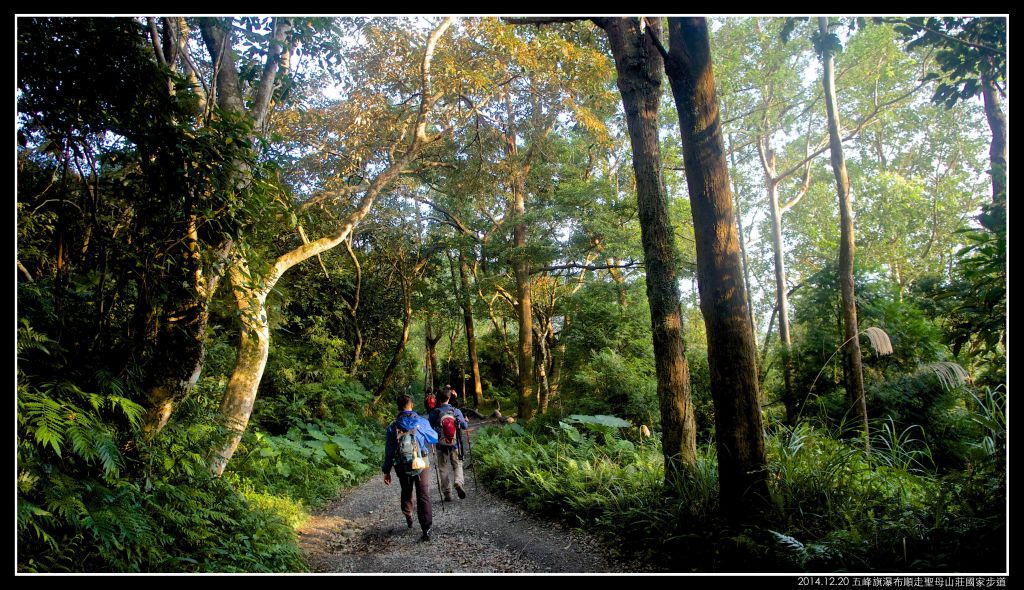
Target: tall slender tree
(852, 367)
(742, 466)
(639, 67)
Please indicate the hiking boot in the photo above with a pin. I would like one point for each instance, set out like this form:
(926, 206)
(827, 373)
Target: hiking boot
(408, 520)
(461, 492)
(426, 536)
(448, 498)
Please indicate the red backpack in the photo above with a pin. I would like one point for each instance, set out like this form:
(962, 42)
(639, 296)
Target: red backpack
(448, 435)
(430, 402)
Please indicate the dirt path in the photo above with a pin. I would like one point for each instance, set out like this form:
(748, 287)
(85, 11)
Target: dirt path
(364, 531)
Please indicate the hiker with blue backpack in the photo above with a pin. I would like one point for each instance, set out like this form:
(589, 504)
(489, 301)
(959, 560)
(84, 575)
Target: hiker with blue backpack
(448, 421)
(406, 443)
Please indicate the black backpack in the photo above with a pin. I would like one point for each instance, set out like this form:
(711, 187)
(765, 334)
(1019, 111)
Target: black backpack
(409, 460)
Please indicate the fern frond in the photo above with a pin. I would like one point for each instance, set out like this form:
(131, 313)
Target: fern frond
(131, 410)
(108, 453)
(82, 439)
(46, 417)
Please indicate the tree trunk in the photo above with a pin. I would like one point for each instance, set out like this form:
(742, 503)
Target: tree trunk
(851, 357)
(255, 343)
(253, 350)
(639, 68)
(353, 307)
(431, 341)
(184, 338)
(182, 341)
(543, 385)
(521, 270)
(743, 248)
(997, 150)
(742, 468)
(782, 302)
(389, 372)
(467, 317)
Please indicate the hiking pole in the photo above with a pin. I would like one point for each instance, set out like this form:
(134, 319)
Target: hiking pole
(472, 463)
(437, 473)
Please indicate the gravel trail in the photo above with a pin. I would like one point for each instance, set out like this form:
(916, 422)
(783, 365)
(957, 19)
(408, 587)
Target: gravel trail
(364, 531)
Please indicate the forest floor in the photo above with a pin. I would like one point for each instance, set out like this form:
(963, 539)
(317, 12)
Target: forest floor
(364, 531)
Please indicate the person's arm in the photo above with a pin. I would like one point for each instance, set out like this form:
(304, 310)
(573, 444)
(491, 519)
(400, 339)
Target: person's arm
(389, 453)
(462, 419)
(427, 430)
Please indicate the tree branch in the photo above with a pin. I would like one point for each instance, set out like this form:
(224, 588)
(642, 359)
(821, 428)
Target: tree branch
(903, 21)
(657, 42)
(155, 38)
(632, 264)
(455, 221)
(305, 240)
(807, 174)
(307, 250)
(860, 126)
(543, 20)
(332, 195)
(24, 271)
(278, 41)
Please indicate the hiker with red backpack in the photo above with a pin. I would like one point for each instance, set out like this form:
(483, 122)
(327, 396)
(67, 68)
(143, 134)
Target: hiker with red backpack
(406, 443)
(448, 421)
(453, 396)
(429, 401)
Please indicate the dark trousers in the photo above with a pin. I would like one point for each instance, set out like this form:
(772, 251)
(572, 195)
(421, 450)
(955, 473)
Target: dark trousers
(422, 484)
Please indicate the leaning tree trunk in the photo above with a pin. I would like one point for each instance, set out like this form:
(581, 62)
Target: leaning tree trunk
(639, 68)
(851, 356)
(252, 358)
(743, 249)
(467, 317)
(543, 385)
(742, 468)
(253, 350)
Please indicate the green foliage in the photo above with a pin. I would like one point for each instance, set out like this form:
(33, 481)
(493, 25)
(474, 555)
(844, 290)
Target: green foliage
(988, 410)
(575, 472)
(968, 48)
(835, 509)
(613, 384)
(971, 306)
(817, 335)
(91, 500)
(93, 495)
(310, 463)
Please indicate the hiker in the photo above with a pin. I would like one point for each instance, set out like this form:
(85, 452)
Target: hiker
(453, 398)
(405, 448)
(448, 421)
